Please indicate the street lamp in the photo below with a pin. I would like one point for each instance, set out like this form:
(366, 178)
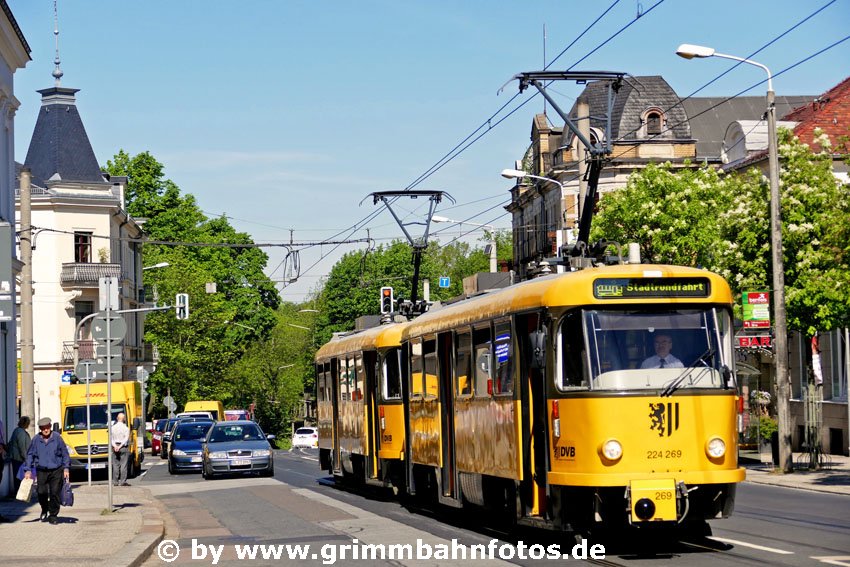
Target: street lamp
(783, 382)
(159, 265)
(241, 325)
(519, 174)
(493, 258)
(299, 326)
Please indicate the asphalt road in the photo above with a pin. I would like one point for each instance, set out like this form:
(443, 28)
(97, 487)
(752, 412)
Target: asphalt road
(771, 525)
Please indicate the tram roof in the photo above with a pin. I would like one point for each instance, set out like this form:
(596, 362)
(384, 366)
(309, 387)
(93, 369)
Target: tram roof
(561, 290)
(370, 339)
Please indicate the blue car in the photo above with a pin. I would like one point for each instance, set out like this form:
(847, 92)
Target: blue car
(186, 451)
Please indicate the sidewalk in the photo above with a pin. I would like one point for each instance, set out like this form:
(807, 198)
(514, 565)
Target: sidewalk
(833, 478)
(84, 536)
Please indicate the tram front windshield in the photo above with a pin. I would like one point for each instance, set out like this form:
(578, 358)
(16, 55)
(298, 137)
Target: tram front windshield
(639, 350)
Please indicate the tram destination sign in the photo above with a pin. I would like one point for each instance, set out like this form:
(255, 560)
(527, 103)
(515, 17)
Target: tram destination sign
(627, 288)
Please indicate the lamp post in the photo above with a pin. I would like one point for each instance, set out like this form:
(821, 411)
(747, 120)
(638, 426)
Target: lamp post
(519, 174)
(159, 265)
(494, 262)
(783, 381)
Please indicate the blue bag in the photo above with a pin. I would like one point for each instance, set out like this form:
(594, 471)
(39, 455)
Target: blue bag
(67, 497)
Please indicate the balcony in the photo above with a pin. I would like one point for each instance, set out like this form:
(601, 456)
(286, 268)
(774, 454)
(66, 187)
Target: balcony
(146, 354)
(87, 275)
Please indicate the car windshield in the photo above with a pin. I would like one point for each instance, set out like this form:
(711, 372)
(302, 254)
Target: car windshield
(75, 416)
(240, 432)
(192, 431)
(160, 425)
(305, 431)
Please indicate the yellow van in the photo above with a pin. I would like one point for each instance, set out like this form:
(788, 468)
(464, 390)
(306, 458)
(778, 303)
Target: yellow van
(215, 408)
(126, 399)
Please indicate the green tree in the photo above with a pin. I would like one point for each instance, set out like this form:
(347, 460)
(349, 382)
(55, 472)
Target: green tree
(670, 213)
(699, 217)
(815, 236)
(194, 353)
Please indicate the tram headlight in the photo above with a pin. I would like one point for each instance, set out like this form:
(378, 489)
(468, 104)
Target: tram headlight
(612, 450)
(715, 448)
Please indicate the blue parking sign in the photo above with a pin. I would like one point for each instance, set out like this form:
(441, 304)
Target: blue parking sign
(445, 281)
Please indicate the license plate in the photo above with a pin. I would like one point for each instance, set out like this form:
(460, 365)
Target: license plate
(96, 466)
(196, 459)
(240, 462)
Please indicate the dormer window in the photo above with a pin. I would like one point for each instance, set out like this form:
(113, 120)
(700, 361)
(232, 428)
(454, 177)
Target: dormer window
(652, 123)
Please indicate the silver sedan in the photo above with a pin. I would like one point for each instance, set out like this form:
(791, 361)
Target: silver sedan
(237, 447)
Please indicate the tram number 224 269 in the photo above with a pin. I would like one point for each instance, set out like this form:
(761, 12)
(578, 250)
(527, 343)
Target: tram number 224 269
(668, 454)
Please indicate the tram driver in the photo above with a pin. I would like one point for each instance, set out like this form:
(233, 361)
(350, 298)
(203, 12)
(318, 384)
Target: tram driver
(663, 358)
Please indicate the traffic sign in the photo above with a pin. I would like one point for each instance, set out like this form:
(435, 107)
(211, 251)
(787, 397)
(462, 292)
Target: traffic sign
(117, 327)
(445, 281)
(66, 376)
(169, 402)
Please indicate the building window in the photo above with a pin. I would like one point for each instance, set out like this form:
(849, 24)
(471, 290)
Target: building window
(654, 121)
(82, 247)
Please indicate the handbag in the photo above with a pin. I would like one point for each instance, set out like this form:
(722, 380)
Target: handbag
(67, 496)
(25, 490)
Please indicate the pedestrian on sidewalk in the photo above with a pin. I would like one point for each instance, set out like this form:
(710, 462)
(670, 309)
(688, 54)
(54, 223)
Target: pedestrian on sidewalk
(2, 457)
(48, 455)
(120, 440)
(19, 443)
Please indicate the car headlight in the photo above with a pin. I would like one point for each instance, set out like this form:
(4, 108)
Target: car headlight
(715, 448)
(178, 453)
(612, 450)
(218, 455)
(261, 453)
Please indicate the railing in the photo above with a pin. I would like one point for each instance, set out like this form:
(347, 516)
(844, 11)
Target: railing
(147, 353)
(84, 274)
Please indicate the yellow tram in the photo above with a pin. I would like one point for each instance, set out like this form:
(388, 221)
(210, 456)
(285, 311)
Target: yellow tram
(599, 398)
(359, 403)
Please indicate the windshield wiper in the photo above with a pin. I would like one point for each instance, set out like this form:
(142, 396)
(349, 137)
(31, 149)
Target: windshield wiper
(677, 382)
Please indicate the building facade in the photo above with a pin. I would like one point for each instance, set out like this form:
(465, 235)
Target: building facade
(81, 233)
(14, 55)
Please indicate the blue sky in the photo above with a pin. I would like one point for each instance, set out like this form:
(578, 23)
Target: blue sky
(285, 115)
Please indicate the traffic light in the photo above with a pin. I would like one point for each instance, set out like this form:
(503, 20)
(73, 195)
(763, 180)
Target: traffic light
(386, 300)
(181, 306)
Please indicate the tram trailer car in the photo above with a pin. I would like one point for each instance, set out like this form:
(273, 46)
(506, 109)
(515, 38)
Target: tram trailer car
(539, 401)
(360, 411)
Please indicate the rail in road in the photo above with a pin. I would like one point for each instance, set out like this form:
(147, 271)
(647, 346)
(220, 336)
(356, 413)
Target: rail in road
(772, 526)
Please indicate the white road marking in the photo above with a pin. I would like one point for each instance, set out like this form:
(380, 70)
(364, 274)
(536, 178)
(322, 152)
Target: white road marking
(752, 545)
(841, 560)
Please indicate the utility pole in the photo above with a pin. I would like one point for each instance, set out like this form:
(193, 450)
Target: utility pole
(583, 124)
(27, 346)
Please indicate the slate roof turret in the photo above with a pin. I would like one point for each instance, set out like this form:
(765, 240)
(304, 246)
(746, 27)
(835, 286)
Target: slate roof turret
(60, 149)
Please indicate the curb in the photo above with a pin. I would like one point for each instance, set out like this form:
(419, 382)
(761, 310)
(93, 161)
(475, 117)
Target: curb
(141, 547)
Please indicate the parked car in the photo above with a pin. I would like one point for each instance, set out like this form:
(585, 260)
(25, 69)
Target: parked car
(156, 436)
(186, 446)
(166, 435)
(169, 430)
(306, 437)
(199, 414)
(237, 447)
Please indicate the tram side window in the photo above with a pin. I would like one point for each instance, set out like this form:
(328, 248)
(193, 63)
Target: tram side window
(359, 377)
(503, 354)
(328, 381)
(430, 353)
(416, 368)
(343, 380)
(392, 376)
(481, 349)
(462, 363)
(572, 360)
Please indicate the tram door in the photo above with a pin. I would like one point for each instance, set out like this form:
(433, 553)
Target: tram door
(448, 480)
(337, 464)
(373, 381)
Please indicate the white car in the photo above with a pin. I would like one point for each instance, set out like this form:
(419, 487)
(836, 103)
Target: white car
(306, 437)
